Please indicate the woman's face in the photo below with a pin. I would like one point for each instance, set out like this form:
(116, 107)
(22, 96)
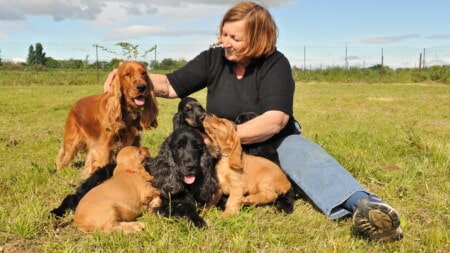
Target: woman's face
(232, 38)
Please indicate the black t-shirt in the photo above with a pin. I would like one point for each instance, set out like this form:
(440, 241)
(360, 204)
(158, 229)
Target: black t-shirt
(266, 85)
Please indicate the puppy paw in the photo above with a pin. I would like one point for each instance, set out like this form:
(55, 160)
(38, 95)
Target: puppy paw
(132, 227)
(154, 204)
(229, 212)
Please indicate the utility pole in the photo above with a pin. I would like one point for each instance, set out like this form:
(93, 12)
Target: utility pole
(423, 64)
(420, 65)
(304, 58)
(96, 56)
(155, 53)
(346, 59)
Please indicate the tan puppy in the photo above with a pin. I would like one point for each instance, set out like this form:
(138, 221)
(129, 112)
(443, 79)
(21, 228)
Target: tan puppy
(116, 203)
(247, 179)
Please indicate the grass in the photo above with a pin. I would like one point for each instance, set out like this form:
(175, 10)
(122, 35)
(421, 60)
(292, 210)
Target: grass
(394, 138)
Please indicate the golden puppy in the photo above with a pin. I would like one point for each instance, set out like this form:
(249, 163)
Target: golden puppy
(116, 203)
(247, 179)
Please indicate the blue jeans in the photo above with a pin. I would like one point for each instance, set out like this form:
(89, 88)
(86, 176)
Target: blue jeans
(318, 174)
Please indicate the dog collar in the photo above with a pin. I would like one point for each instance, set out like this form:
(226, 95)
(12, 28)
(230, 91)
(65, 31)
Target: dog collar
(130, 171)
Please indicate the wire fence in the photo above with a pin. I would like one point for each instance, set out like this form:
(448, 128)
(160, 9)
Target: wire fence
(321, 57)
(300, 56)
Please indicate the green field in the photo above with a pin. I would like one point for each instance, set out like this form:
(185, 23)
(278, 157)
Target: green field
(394, 138)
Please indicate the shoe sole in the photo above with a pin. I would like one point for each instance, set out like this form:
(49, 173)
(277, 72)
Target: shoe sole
(378, 221)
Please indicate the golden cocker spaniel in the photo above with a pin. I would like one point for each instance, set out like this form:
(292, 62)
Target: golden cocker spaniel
(116, 203)
(103, 124)
(247, 179)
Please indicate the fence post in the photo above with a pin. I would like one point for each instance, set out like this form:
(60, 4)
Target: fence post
(420, 65)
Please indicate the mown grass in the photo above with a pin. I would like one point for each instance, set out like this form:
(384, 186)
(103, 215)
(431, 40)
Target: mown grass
(395, 139)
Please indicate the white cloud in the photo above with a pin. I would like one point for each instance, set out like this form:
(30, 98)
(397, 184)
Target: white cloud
(58, 9)
(385, 39)
(90, 10)
(440, 36)
(138, 31)
(17, 60)
(3, 35)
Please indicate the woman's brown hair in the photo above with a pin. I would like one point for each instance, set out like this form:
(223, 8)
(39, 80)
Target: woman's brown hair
(260, 31)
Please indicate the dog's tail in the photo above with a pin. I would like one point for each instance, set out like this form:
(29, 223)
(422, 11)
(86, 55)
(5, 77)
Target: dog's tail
(71, 201)
(285, 202)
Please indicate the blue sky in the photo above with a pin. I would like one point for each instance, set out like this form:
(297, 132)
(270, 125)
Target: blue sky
(314, 33)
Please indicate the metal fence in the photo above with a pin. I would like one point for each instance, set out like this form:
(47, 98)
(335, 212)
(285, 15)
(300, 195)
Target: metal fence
(313, 57)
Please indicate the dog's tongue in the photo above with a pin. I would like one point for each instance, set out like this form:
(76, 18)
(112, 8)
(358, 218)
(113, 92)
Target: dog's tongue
(139, 101)
(189, 179)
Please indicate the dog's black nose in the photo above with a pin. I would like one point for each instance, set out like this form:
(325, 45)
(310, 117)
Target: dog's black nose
(141, 87)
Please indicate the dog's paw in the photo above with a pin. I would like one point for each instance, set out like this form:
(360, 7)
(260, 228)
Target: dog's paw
(199, 222)
(132, 227)
(154, 204)
(229, 212)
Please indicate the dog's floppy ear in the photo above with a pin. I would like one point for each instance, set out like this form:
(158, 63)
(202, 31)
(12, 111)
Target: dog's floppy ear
(235, 159)
(150, 112)
(209, 184)
(113, 104)
(178, 120)
(164, 171)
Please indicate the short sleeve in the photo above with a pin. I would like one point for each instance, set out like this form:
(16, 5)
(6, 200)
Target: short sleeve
(276, 87)
(191, 77)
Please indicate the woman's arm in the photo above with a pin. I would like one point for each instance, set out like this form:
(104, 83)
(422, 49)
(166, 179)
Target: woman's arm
(161, 84)
(262, 127)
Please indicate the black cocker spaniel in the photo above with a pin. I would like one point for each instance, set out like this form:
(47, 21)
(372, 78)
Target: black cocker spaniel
(190, 113)
(184, 171)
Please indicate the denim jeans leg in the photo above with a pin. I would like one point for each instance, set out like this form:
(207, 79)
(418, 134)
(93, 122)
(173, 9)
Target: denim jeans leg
(318, 174)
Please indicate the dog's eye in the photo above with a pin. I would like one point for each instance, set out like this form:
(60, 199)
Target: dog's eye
(196, 147)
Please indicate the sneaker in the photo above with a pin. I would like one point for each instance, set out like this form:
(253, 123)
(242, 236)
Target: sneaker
(377, 220)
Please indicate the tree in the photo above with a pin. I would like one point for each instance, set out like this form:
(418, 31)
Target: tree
(0, 57)
(36, 55)
(129, 51)
(31, 59)
(168, 64)
(40, 55)
(51, 63)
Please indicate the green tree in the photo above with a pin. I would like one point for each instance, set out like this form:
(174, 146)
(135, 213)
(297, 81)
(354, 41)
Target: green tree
(129, 51)
(40, 55)
(1, 58)
(51, 63)
(31, 59)
(114, 63)
(36, 55)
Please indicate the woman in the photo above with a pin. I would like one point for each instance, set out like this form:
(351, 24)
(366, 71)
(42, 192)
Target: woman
(248, 74)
